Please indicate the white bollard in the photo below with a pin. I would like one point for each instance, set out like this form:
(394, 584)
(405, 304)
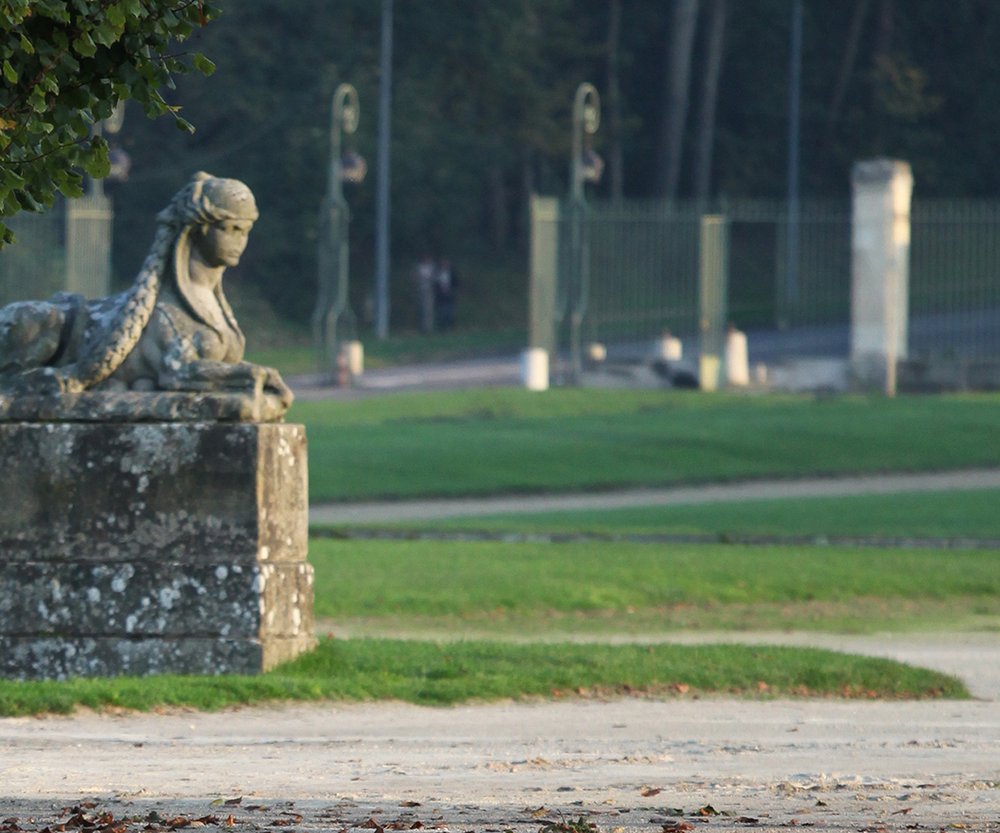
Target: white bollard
(535, 368)
(737, 363)
(669, 348)
(355, 352)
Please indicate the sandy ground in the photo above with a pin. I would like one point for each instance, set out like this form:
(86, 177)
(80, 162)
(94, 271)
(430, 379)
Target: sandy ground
(623, 765)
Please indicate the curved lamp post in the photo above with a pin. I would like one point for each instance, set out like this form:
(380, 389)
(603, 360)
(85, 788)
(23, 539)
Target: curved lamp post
(333, 257)
(585, 166)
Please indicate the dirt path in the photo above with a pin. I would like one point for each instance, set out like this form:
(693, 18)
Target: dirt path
(624, 765)
(411, 510)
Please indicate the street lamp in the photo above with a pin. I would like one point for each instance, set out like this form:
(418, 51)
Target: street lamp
(333, 256)
(585, 166)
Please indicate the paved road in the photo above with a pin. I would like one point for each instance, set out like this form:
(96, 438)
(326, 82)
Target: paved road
(502, 371)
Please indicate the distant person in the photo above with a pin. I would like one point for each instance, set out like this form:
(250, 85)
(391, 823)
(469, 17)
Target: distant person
(445, 287)
(423, 285)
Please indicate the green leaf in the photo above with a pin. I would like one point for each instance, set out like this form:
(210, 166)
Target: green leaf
(84, 45)
(95, 161)
(203, 64)
(9, 72)
(116, 15)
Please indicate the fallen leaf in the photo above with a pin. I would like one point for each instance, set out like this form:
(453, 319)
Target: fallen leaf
(677, 826)
(650, 791)
(708, 810)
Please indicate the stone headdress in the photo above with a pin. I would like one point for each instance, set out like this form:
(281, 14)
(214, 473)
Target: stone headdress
(203, 201)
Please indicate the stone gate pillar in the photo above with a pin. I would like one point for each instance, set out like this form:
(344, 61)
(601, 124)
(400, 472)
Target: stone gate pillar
(880, 254)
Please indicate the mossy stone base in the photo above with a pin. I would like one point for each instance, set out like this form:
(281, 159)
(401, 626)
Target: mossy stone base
(152, 548)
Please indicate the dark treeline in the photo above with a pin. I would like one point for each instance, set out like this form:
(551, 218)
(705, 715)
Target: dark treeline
(695, 104)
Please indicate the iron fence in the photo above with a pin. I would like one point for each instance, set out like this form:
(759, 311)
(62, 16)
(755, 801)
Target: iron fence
(35, 266)
(65, 249)
(954, 279)
(637, 270)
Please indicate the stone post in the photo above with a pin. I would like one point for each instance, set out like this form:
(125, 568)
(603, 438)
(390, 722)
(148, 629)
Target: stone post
(542, 302)
(880, 252)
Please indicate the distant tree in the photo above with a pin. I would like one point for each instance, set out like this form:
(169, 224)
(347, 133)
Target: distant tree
(851, 45)
(677, 85)
(616, 152)
(709, 89)
(65, 64)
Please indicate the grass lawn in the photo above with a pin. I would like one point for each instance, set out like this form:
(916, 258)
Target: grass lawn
(439, 674)
(509, 441)
(504, 441)
(506, 592)
(477, 588)
(970, 514)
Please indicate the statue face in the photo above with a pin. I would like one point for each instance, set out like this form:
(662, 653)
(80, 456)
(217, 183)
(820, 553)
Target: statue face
(222, 244)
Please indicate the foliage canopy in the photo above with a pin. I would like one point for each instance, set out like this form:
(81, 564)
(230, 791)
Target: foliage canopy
(65, 64)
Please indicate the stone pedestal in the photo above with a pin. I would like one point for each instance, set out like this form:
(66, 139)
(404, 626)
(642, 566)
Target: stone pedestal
(150, 548)
(880, 252)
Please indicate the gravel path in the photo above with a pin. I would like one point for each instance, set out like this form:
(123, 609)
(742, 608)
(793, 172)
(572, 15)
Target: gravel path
(624, 765)
(655, 766)
(410, 510)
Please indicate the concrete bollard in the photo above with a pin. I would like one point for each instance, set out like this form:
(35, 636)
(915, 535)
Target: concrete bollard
(737, 362)
(596, 352)
(669, 348)
(355, 352)
(535, 368)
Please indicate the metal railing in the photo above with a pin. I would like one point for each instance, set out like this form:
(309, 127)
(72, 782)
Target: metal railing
(65, 249)
(34, 266)
(954, 279)
(643, 261)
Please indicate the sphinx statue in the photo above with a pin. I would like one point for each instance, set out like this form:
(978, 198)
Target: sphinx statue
(172, 330)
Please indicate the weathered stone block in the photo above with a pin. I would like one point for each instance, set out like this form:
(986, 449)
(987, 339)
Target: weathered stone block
(139, 548)
(186, 492)
(58, 658)
(141, 599)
